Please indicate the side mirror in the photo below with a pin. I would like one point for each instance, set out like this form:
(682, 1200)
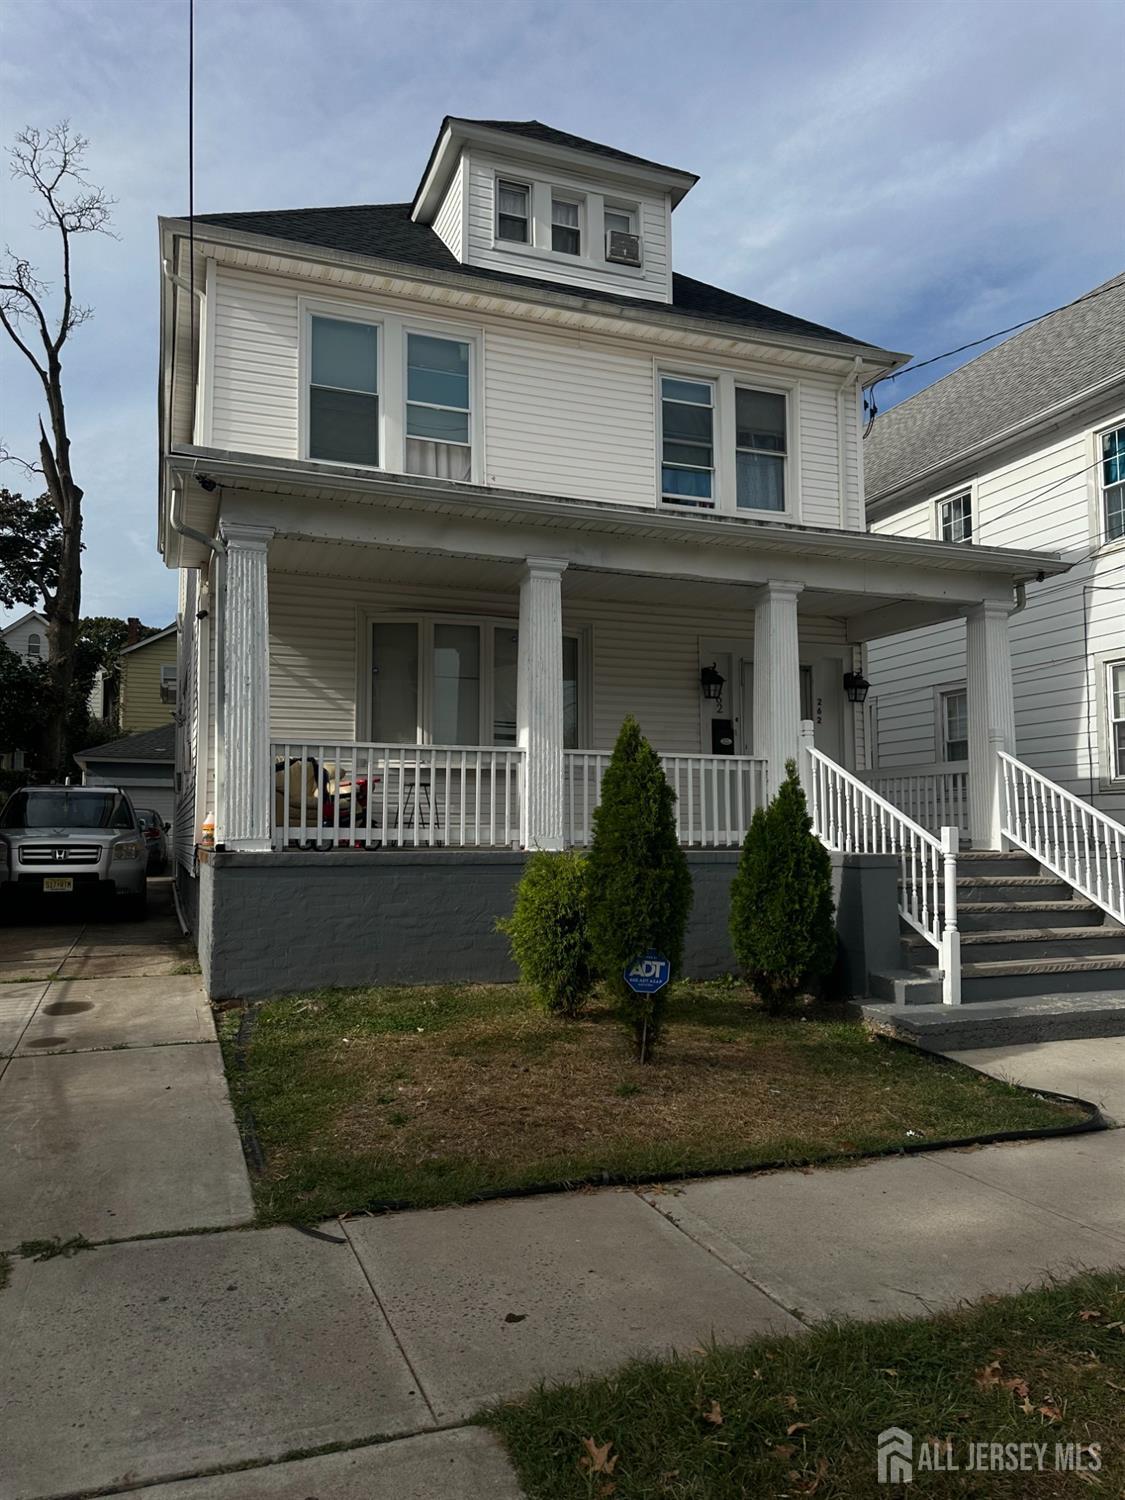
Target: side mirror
(167, 828)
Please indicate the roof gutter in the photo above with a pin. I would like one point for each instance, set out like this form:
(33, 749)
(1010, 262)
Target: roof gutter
(897, 493)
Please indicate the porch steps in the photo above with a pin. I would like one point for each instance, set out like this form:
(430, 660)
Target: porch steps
(1001, 1023)
(1029, 943)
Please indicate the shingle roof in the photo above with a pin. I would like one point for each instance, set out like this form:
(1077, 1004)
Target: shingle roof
(535, 130)
(386, 231)
(149, 744)
(1051, 362)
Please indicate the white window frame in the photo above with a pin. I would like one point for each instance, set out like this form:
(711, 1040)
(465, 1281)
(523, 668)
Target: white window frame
(948, 498)
(624, 210)
(391, 376)
(942, 692)
(742, 384)
(475, 437)
(1101, 492)
(725, 382)
(686, 504)
(572, 200)
(1111, 776)
(424, 621)
(37, 654)
(528, 188)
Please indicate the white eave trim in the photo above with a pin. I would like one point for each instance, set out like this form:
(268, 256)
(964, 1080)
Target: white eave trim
(512, 300)
(714, 530)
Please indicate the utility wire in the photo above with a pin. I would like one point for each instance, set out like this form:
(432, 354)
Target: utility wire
(922, 364)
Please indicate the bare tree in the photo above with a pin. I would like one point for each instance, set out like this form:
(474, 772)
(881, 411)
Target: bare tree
(39, 317)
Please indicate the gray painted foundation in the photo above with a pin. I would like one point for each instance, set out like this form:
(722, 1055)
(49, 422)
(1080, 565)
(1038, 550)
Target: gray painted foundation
(268, 924)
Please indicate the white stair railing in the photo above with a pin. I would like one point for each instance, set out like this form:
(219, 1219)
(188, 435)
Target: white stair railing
(933, 796)
(851, 818)
(1078, 843)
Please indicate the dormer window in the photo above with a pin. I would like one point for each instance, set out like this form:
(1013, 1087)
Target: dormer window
(513, 216)
(566, 230)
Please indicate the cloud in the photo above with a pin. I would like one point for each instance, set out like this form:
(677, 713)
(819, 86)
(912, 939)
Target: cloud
(913, 174)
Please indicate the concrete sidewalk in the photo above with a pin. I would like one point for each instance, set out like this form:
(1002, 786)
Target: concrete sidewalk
(148, 1365)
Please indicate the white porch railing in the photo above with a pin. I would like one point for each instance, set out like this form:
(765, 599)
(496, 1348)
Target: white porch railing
(716, 795)
(936, 797)
(409, 796)
(851, 817)
(1074, 841)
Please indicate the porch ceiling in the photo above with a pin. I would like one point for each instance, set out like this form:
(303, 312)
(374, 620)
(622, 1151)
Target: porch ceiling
(429, 571)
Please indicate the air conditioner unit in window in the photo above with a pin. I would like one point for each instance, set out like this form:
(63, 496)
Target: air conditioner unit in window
(623, 249)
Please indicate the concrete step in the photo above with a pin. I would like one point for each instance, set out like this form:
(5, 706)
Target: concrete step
(1038, 943)
(993, 916)
(974, 887)
(919, 986)
(997, 862)
(1019, 978)
(1002, 1023)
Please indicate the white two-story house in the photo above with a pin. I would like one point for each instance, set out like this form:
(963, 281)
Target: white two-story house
(454, 485)
(1024, 446)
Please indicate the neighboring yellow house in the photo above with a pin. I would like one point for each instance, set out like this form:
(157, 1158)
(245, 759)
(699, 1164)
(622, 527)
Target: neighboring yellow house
(148, 682)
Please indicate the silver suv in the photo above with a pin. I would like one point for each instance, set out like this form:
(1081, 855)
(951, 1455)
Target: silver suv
(73, 840)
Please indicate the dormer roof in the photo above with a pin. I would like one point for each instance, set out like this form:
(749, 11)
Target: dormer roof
(541, 142)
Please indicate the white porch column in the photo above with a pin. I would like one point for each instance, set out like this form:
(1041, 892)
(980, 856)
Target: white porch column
(992, 722)
(777, 678)
(539, 701)
(244, 768)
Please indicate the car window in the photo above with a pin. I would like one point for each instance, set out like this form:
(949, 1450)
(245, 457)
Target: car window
(63, 807)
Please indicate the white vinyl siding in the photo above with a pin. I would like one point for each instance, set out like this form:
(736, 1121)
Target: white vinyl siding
(560, 415)
(1046, 497)
(569, 419)
(450, 217)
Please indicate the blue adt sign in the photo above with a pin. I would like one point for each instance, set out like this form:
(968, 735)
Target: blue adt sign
(647, 974)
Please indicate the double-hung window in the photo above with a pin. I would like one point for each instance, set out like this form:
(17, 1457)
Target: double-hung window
(344, 391)
(955, 725)
(34, 645)
(687, 424)
(566, 226)
(955, 518)
(1112, 457)
(1115, 706)
(513, 212)
(620, 221)
(760, 449)
(438, 413)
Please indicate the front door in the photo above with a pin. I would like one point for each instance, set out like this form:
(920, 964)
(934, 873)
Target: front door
(821, 701)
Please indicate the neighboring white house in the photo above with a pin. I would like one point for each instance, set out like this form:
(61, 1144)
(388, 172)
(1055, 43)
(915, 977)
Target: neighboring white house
(1024, 446)
(454, 485)
(27, 636)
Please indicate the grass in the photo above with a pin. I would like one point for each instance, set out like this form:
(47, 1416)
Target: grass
(423, 1096)
(800, 1416)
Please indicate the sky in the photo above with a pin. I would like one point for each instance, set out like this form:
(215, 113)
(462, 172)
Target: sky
(915, 174)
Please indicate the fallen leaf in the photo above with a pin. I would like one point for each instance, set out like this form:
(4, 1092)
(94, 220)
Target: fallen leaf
(1026, 1407)
(988, 1376)
(889, 1372)
(597, 1459)
(783, 1450)
(1051, 1413)
(713, 1414)
(1017, 1385)
(791, 1402)
(797, 1427)
(1088, 1314)
(606, 1487)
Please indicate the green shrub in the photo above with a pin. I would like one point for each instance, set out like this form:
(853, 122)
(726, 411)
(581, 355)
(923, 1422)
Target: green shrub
(547, 931)
(782, 925)
(638, 879)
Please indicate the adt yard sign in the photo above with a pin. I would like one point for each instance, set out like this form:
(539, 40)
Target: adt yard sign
(647, 974)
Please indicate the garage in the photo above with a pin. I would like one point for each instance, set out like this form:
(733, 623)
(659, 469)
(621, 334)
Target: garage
(142, 765)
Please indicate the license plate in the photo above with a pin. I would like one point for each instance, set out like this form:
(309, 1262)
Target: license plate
(58, 883)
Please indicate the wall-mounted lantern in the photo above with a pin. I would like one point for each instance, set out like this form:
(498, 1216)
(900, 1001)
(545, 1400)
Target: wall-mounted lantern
(711, 681)
(856, 686)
